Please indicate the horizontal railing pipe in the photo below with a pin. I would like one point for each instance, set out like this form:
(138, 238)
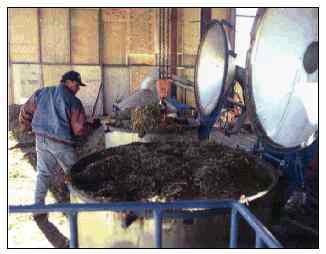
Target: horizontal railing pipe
(161, 210)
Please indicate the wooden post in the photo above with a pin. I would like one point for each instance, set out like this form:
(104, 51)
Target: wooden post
(100, 53)
(40, 44)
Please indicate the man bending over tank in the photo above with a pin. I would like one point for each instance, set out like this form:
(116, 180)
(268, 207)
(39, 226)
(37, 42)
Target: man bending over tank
(57, 117)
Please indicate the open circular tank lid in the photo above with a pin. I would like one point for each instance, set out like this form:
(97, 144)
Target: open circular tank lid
(282, 69)
(214, 68)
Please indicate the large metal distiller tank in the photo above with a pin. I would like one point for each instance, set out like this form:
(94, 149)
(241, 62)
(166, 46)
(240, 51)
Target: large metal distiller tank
(214, 73)
(282, 68)
(105, 228)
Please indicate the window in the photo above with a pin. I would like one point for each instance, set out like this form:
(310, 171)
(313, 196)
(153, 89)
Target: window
(244, 21)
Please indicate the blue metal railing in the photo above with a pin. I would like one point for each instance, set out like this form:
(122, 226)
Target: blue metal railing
(160, 211)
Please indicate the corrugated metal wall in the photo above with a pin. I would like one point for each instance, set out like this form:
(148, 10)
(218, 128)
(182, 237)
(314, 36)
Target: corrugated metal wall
(117, 45)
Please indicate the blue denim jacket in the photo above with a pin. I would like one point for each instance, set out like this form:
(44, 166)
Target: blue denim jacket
(55, 112)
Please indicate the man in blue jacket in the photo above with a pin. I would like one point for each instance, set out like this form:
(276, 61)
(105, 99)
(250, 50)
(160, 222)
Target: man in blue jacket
(57, 117)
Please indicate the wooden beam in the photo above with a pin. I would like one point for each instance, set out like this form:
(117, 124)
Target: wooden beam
(11, 92)
(40, 44)
(100, 54)
(70, 39)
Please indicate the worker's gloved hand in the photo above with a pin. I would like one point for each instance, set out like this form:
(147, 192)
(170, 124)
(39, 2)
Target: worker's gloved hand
(96, 123)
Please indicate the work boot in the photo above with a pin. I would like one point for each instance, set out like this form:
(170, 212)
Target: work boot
(50, 231)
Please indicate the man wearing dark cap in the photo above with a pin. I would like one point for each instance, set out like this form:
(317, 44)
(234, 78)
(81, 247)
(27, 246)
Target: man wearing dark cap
(57, 117)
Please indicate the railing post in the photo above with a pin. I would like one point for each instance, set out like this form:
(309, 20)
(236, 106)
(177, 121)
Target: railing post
(73, 243)
(234, 228)
(158, 228)
(259, 242)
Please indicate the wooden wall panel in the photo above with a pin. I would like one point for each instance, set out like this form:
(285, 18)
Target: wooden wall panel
(116, 86)
(179, 36)
(142, 36)
(141, 59)
(55, 35)
(91, 76)
(52, 74)
(84, 36)
(26, 80)
(115, 23)
(187, 73)
(129, 35)
(191, 34)
(9, 85)
(24, 39)
(190, 98)
(181, 94)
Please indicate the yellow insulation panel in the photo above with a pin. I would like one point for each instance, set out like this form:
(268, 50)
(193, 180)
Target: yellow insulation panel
(116, 85)
(221, 13)
(142, 36)
(115, 41)
(191, 34)
(55, 35)
(84, 36)
(52, 74)
(23, 35)
(137, 74)
(26, 80)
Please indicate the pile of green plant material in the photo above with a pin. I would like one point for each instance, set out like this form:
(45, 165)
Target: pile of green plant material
(171, 171)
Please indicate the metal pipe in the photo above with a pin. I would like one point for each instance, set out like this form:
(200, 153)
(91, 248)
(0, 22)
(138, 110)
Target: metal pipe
(168, 22)
(174, 42)
(73, 243)
(121, 206)
(259, 242)
(205, 17)
(163, 43)
(158, 228)
(84, 64)
(182, 85)
(234, 228)
(160, 44)
(265, 235)
(182, 80)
